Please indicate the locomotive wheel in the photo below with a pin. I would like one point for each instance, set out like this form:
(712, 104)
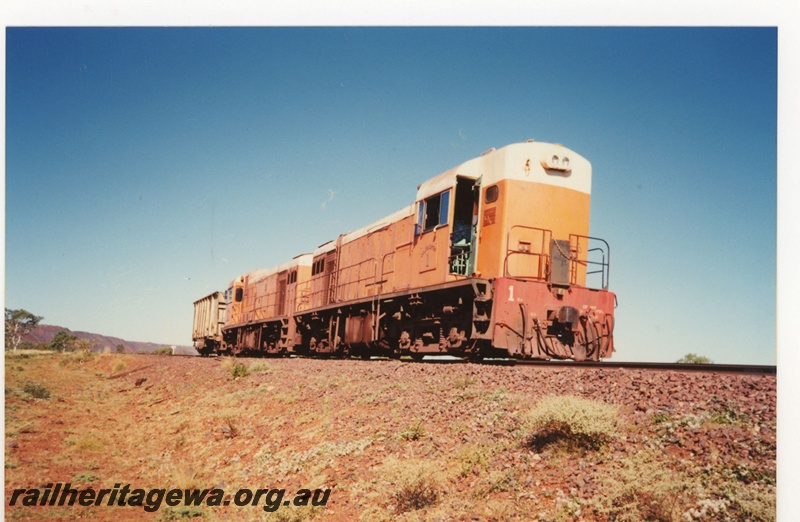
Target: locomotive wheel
(478, 352)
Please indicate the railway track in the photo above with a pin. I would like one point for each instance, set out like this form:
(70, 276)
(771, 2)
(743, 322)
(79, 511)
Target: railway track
(713, 368)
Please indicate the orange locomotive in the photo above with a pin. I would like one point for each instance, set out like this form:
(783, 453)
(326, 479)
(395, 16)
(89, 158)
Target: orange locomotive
(492, 260)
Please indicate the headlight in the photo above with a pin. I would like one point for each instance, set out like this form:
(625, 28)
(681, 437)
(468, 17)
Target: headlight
(555, 162)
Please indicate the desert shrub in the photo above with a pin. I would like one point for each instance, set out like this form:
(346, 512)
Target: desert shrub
(503, 480)
(184, 477)
(235, 368)
(260, 367)
(179, 513)
(37, 347)
(473, 460)
(166, 350)
(752, 501)
(85, 443)
(76, 357)
(292, 514)
(661, 418)
(230, 427)
(239, 370)
(571, 421)
(464, 382)
(691, 358)
(727, 413)
(37, 391)
(413, 432)
(417, 494)
(84, 477)
(417, 483)
(62, 341)
(642, 488)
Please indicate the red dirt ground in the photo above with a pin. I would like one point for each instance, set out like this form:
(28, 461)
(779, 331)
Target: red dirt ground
(394, 440)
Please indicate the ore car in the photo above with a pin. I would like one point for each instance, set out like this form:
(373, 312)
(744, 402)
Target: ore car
(492, 259)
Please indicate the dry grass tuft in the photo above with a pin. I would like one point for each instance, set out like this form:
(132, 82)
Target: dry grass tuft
(414, 432)
(86, 443)
(184, 477)
(76, 357)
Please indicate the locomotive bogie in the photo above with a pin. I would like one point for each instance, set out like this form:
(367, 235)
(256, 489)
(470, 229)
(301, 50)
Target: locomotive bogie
(437, 321)
(492, 259)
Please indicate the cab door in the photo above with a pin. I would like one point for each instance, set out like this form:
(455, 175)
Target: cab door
(463, 238)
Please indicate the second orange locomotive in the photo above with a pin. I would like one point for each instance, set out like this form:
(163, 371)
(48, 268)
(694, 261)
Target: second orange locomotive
(493, 259)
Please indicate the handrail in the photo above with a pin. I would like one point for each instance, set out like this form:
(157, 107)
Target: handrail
(543, 268)
(604, 264)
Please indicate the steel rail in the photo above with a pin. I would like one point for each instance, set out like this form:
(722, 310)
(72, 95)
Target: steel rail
(553, 363)
(714, 368)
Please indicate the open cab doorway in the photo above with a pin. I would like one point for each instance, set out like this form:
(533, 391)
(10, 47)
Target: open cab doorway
(463, 239)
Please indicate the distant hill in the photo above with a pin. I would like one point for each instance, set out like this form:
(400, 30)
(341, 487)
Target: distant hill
(44, 333)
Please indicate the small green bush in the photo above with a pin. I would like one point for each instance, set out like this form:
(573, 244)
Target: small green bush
(661, 417)
(574, 421)
(239, 370)
(727, 413)
(235, 368)
(166, 350)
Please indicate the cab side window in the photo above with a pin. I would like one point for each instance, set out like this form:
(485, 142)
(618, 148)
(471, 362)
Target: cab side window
(433, 212)
(492, 193)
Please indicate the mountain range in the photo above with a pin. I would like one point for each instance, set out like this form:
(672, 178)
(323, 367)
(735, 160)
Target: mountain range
(44, 333)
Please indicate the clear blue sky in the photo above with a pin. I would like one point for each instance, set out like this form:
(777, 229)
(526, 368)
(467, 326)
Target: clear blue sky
(147, 167)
